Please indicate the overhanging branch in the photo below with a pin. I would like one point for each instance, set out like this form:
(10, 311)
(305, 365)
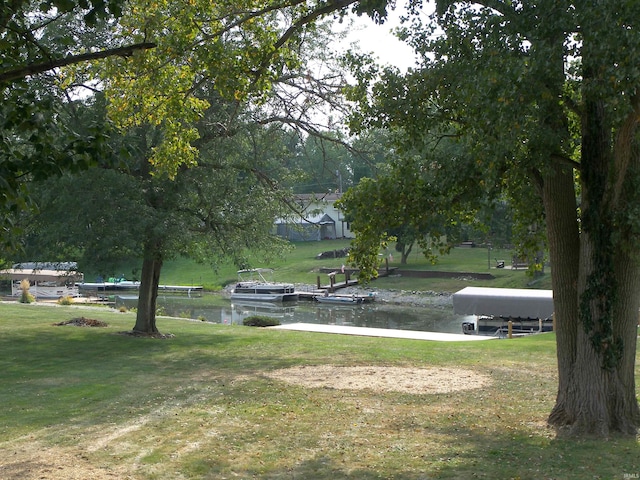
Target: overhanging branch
(37, 68)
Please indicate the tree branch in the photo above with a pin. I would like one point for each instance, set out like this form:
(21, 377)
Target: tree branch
(329, 7)
(37, 68)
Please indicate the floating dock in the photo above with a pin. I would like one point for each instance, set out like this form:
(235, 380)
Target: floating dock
(317, 294)
(114, 288)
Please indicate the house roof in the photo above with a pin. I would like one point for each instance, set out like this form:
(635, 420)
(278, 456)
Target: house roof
(318, 219)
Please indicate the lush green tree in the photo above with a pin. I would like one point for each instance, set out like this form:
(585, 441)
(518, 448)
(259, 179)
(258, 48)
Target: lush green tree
(232, 131)
(414, 198)
(321, 163)
(228, 50)
(36, 39)
(221, 208)
(46, 44)
(543, 95)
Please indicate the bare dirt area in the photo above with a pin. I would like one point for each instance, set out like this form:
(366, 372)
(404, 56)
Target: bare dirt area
(32, 461)
(384, 379)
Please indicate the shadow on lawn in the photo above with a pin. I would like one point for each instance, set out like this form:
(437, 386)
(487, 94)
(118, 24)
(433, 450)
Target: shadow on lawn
(474, 455)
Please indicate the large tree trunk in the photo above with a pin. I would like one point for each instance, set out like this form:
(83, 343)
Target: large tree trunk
(602, 386)
(564, 249)
(596, 330)
(148, 294)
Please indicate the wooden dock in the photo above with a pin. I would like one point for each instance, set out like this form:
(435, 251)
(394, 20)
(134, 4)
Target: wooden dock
(335, 285)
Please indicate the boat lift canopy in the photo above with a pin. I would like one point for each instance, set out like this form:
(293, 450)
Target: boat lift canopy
(41, 275)
(504, 302)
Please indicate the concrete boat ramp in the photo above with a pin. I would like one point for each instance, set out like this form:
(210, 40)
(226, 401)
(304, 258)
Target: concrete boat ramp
(381, 332)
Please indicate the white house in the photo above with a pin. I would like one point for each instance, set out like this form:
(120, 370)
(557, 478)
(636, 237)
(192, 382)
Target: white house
(319, 219)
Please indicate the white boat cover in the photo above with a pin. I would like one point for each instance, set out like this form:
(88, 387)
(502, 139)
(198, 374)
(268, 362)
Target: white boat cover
(504, 302)
(41, 275)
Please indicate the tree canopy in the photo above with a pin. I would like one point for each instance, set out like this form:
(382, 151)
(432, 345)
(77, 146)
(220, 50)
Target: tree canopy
(36, 39)
(48, 46)
(200, 145)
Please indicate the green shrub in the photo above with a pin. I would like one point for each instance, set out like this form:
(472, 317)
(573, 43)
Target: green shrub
(259, 321)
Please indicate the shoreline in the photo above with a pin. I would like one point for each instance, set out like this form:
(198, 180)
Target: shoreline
(410, 298)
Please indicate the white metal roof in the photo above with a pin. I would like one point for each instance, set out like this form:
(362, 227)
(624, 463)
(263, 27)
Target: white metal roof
(39, 275)
(504, 302)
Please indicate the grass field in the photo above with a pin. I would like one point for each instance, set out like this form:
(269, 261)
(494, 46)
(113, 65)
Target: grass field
(81, 402)
(301, 266)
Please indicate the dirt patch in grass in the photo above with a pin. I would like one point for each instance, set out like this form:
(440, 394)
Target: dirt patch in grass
(83, 322)
(384, 379)
(34, 462)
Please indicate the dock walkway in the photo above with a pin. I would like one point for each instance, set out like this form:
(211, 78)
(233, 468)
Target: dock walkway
(381, 332)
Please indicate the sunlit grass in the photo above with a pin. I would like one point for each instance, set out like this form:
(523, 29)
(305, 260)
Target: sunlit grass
(301, 266)
(200, 405)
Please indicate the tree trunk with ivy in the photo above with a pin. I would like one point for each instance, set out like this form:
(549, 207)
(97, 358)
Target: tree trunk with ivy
(597, 328)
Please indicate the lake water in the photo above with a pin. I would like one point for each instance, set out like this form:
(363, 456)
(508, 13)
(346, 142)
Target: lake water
(436, 318)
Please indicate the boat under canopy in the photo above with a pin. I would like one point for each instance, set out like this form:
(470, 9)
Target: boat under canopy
(504, 302)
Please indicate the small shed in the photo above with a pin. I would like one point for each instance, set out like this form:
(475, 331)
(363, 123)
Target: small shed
(504, 302)
(310, 228)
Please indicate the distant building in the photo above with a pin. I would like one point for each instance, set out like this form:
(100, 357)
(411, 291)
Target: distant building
(46, 279)
(319, 219)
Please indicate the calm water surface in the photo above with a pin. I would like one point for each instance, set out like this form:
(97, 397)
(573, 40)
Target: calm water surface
(376, 315)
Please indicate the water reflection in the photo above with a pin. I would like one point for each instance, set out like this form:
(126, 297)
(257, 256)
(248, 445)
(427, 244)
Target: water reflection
(437, 318)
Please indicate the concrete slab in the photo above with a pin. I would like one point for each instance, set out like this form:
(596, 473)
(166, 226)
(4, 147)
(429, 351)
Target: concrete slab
(381, 332)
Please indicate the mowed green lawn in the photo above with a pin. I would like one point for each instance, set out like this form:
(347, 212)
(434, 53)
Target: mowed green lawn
(88, 402)
(300, 265)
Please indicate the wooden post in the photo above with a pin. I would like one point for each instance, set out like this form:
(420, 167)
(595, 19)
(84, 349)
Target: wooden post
(510, 329)
(318, 279)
